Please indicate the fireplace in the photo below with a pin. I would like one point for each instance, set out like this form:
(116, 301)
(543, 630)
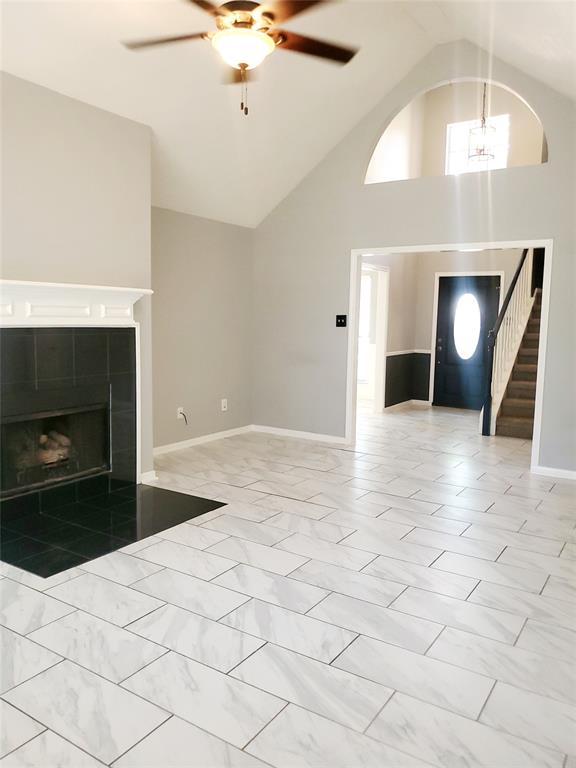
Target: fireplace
(41, 449)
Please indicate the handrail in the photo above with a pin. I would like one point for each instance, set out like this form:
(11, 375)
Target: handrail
(491, 345)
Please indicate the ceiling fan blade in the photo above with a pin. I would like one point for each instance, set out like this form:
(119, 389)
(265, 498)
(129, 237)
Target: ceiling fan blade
(207, 6)
(286, 9)
(162, 40)
(293, 42)
(232, 76)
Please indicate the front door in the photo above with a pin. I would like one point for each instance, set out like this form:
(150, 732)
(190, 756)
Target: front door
(467, 310)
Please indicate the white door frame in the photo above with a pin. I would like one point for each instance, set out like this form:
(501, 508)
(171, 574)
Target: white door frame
(353, 307)
(437, 275)
(381, 321)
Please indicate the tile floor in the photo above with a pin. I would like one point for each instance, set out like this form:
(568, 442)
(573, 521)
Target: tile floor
(408, 603)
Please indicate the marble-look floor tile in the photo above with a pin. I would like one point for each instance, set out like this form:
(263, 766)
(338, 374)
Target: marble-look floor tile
(460, 614)
(382, 545)
(377, 622)
(546, 609)
(320, 529)
(497, 573)
(513, 539)
(431, 522)
(301, 739)
(190, 593)
(314, 686)
(105, 599)
(271, 588)
(121, 568)
(193, 535)
(91, 712)
(452, 741)
(532, 717)
(178, 744)
(242, 509)
(502, 522)
(336, 554)
(347, 582)
(37, 582)
(427, 679)
(387, 500)
(136, 546)
(23, 609)
(290, 630)
(563, 568)
(228, 493)
(261, 533)
(194, 562)
(524, 669)
(21, 659)
(288, 490)
(420, 576)
(258, 555)
(379, 526)
(101, 647)
(548, 640)
(49, 750)
(561, 589)
(221, 705)
(294, 507)
(446, 541)
(16, 728)
(194, 636)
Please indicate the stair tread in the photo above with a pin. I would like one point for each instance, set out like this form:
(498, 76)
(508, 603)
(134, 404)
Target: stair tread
(511, 420)
(519, 401)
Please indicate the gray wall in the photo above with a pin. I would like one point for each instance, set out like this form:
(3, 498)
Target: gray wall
(202, 278)
(302, 252)
(76, 201)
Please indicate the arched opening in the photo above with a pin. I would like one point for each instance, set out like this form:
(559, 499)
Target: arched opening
(460, 127)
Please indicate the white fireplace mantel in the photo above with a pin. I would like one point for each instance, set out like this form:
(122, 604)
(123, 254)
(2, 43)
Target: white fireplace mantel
(27, 304)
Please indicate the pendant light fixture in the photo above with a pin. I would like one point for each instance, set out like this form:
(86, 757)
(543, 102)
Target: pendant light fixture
(482, 137)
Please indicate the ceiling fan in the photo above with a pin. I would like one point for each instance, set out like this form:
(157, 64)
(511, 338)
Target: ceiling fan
(246, 33)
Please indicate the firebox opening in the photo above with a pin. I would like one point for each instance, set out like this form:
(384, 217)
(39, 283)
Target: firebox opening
(44, 448)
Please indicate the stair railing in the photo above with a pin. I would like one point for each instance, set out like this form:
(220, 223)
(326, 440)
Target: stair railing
(504, 340)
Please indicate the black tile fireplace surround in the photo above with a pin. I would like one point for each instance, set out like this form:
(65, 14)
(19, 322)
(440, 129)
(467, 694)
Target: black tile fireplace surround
(68, 490)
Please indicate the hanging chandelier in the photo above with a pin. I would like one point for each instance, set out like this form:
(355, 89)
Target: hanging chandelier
(482, 137)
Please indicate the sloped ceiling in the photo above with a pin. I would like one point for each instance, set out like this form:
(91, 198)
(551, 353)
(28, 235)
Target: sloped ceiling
(208, 159)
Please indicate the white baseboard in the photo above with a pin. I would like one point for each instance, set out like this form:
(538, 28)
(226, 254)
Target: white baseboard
(298, 435)
(159, 450)
(404, 403)
(148, 477)
(561, 474)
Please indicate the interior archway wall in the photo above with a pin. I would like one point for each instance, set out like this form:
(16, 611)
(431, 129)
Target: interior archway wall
(413, 143)
(302, 252)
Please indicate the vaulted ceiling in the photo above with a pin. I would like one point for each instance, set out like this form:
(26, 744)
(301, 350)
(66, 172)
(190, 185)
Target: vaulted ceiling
(208, 159)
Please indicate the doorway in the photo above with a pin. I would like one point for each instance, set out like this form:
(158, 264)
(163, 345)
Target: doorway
(467, 308)
(372, 338)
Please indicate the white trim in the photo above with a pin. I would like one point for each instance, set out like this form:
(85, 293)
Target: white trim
(564, 474)
(148, 477)
(409, 352)
(541, 367)
(398, 406)
(297, 434)
(191, 442)
(355, 260)
(26, 303)
(437, 275)
(293, 433)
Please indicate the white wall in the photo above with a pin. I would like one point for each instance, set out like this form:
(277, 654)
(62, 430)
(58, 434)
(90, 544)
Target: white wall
(202, 278)
(302, 252)
(75, 202)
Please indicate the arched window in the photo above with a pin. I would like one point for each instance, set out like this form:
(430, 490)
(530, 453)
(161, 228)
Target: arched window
(462, 127)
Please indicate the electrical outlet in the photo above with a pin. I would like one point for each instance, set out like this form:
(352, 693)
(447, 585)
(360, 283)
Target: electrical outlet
(180, 412)
(224, 404)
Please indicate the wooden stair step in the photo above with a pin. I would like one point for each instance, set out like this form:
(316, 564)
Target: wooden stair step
(521, 389)
(510, 426)
(524, 371)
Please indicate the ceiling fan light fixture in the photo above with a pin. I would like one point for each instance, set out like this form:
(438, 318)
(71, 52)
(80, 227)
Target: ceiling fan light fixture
(243, 48)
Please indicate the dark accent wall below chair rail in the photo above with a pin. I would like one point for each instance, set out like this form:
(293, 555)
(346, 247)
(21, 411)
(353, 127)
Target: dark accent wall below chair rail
(44, 359)
(407, 377)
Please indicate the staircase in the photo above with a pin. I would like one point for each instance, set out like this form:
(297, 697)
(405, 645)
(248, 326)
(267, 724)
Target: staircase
(516, 415)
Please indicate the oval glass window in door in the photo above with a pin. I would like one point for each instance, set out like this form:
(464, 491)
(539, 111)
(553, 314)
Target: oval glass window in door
(467, 325)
